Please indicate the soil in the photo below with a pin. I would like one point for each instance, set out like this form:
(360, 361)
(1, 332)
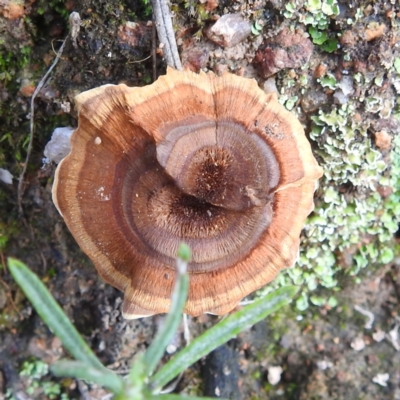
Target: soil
(324, 353)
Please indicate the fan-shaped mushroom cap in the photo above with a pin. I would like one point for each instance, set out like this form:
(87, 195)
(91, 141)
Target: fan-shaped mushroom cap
(210, 161)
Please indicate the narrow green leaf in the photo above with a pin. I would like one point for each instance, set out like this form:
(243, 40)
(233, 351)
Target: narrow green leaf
(221, 333)
(82, 370)
(156, 350)
(184, 252)
(137, 374)
(52, 314)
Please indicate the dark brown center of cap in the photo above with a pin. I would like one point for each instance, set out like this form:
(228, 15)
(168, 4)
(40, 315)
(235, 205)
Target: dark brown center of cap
(209, 184)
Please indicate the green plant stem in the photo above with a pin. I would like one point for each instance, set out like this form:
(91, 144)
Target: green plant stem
(156, 350)
(221, 333)
(81, 370)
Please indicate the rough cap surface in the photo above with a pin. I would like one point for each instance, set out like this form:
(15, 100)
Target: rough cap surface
(210, 161)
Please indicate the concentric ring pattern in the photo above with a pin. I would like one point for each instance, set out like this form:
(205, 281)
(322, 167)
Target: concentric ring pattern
(210, 161)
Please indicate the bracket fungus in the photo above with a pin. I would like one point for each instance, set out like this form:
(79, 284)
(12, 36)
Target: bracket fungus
(207, 160)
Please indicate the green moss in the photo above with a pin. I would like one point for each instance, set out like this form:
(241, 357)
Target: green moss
(256, 374)
(58, 6)
(328, 81)
(317, 16)
(355, 223)
(35, 374)
(322, 39)
(7, 229)
(343, 220)
(147, 10)
(317, 13)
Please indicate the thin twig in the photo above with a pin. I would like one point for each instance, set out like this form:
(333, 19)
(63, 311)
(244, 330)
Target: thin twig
(75, 23)
(368, 314)
(393, 336)
(139, 61)
(166, 33)
(154, 49)
(52, 46)
(83, 390)
(31, 125)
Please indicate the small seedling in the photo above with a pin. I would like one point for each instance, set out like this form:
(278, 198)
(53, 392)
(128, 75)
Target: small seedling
(143, 381)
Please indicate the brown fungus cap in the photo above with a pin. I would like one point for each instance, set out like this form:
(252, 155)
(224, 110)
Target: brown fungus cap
(210, 161)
